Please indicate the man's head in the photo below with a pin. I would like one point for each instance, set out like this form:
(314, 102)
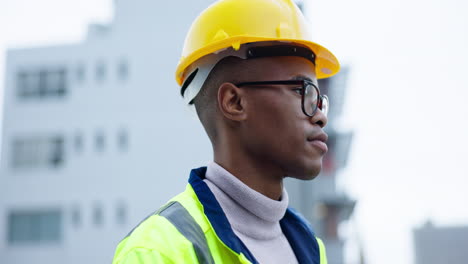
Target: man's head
(266, 122)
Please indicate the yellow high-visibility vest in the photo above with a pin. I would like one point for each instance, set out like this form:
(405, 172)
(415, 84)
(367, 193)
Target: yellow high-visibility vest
(192, 228)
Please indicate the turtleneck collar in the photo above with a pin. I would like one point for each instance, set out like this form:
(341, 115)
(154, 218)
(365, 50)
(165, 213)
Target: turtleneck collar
(249, 212)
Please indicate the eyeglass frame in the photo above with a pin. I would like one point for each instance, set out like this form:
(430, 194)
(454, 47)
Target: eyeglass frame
(303, 83)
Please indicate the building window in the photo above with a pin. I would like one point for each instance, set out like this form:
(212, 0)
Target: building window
(100, 141)
(76, 216)
(78, 142)
(43, 83)
(28, 84)
(57, 151)
(38, 152)
(97, 214)
(122, 140)
(122, 70)
(80, 73)
(121, 213)
(34, 226)
(101, 71)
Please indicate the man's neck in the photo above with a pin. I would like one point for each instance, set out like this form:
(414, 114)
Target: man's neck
(257, 175)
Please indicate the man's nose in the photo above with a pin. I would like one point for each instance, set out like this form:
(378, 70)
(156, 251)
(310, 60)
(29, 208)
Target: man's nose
(319, 118)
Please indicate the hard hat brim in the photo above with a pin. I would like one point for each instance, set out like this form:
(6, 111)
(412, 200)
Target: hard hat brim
(327, 64)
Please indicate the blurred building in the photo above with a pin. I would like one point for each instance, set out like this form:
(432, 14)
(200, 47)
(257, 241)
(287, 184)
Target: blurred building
(435, 245)
(96, 137)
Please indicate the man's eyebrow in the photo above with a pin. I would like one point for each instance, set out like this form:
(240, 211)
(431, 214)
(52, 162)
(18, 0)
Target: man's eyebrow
(302, 77)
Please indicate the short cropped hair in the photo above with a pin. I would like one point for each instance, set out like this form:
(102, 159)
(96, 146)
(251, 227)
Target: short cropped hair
(228, 69)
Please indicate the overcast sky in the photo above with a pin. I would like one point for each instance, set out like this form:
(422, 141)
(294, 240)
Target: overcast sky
(407, 103)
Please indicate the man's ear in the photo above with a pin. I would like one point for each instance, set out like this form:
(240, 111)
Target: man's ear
(231, 102)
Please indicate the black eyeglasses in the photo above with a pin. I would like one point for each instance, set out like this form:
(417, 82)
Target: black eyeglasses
(310, 93)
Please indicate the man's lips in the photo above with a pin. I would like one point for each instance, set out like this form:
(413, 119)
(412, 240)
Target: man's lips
(319, 141)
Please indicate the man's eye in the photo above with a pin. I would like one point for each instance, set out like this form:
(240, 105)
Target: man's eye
(297, 90)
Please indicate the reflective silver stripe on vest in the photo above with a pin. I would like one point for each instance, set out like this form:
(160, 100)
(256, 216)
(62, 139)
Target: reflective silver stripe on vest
(186, 225)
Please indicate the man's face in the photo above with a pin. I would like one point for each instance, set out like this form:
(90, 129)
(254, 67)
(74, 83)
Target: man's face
(276, 131)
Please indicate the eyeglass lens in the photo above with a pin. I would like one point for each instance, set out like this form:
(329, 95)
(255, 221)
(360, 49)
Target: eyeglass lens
(310, 99)
(325, 105)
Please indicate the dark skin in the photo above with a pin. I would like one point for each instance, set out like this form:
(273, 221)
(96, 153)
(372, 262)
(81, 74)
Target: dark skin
(262, 135)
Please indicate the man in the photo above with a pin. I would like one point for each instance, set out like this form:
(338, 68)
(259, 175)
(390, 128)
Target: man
(251, 71)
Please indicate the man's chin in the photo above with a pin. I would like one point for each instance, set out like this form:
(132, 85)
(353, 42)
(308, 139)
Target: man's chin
(306, 171)
(305, 176)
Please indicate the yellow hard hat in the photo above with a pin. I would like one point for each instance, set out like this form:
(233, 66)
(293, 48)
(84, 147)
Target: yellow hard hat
(231, 23)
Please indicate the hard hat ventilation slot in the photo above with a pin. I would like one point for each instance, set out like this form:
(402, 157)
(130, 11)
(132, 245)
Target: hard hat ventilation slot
(280, 50)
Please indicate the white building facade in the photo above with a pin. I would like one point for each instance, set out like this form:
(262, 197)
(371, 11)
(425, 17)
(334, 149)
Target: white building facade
(96, 137)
